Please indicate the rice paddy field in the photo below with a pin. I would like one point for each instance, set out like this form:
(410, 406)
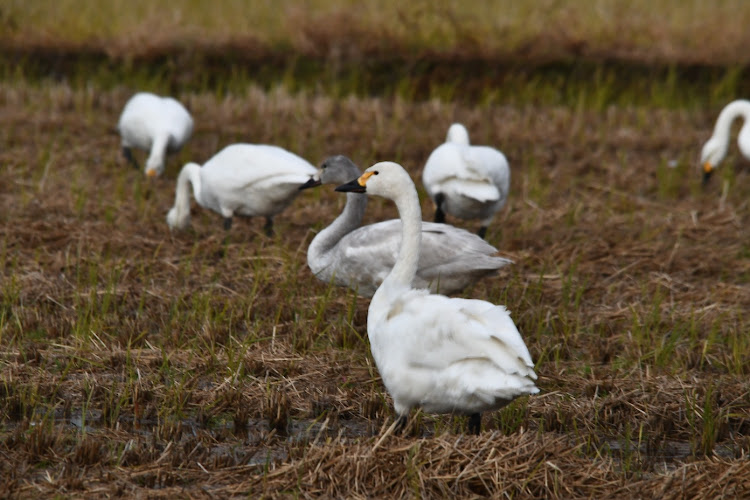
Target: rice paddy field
(139, 362)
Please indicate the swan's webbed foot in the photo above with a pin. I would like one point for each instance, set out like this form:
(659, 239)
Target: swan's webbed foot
(227, 223)
(128, 154)
(268, 228)
(475, 423)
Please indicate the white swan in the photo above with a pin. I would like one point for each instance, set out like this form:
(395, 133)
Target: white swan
(361, 257)
(715, 149)
(468, 182)
(156, 124)
(241, 179)
(445, 355)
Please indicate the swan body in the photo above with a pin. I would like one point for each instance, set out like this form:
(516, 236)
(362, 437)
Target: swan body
(715, 149)
(360, 257)
(445, 355)
(156, 124)
(465, 181)
(241, 179)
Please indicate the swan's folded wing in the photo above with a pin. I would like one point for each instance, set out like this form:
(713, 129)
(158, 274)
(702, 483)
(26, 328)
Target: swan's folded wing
(443, 163)
(258, 166)
(459, 329)
(442, 245)
(448, 249)
(369, 252)
(176, 119)
(490, 164)
(480, 190)
(479, 379)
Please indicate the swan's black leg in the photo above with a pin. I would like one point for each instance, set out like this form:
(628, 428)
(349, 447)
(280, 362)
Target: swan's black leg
(268, 228)
(128, 154)
(227, 223)
(401, 424)
(482, 232)
(439, 214)
(475, 423)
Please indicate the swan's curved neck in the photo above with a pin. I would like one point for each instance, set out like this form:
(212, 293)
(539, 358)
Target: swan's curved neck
(405, 269)
(158, 151)
(349, 220)
(732, 111)
(190, 174)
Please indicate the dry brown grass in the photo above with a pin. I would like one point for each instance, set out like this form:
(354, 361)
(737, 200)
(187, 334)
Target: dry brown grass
(142, 363)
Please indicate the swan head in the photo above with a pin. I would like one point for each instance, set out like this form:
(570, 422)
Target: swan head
(177, 220)
(154, 168)
(334, 170)
(457, 134)
(712, 154)
(384, 179)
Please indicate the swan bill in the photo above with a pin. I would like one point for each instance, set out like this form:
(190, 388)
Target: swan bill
(708, 169)
(312, 182)
(357, 185)
(352, 187)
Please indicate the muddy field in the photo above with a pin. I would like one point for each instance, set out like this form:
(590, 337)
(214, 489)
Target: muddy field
(139, 362)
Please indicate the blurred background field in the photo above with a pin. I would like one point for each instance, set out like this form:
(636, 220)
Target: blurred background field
(661, 31)
(139, 362)
(548, 51)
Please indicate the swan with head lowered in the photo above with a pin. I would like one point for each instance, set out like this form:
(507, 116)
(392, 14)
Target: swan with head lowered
(360, 257)
(241, 179)
(443, 354)
(465, 181)
(715, 149)
(156, 124)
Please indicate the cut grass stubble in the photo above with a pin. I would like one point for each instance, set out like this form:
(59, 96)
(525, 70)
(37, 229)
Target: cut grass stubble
(223, 350)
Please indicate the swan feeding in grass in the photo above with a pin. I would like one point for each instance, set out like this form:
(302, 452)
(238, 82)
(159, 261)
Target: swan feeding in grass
(445, 355)
(465, 181)
(715, 149)
(156, 124)
(241, 179)
(360, 257)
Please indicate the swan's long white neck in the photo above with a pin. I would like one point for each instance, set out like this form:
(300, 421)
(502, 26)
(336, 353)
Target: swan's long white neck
(732, 111)
(190, 174)
(349, 220)
(405, 269)
(155, 159)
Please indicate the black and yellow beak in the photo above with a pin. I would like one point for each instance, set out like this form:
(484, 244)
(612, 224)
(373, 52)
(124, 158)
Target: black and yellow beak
(708, 169)
(357, 185)
(312, 182)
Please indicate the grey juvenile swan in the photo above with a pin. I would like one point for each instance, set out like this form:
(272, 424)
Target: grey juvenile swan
(361, 257)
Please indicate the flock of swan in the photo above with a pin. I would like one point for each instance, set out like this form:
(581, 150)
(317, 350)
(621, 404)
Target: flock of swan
(438, 353)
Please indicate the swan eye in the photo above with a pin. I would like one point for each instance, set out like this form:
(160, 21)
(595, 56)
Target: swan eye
(376, 172)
